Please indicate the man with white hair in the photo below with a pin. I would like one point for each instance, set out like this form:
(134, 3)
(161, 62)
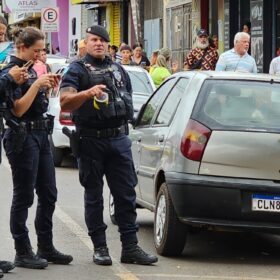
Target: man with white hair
(274, 68)
(203, 56)
(238, 59)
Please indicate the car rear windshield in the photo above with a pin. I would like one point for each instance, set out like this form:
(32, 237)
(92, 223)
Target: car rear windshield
(140, 82)
(239, 105)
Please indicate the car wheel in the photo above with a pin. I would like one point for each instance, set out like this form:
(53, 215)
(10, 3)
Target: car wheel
(112, 209)
(57, 153)
(169, 232)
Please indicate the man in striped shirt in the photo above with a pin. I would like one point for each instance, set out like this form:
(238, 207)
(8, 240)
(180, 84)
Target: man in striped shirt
(238, 59)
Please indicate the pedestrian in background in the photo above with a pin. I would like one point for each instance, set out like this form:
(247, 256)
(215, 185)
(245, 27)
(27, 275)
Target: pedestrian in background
(247, 27)
(238, 59)
(81, 51)
(162, 69)
(215, 41)
(138, 56)
(40, 65)
(5, 46)
(203, 56)
(118, 54)
(113, 51)
(274, 68)
(28, 151)
(126, 53)
(8, 82)
(278, 52)
(153, 61)
(102, 145)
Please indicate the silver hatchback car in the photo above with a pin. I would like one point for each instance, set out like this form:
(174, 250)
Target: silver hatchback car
(206, 149)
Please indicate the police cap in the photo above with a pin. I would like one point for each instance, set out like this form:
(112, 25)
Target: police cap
(99, 31)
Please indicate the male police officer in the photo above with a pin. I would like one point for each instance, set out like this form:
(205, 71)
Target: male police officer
(101, 125)
(15, 76)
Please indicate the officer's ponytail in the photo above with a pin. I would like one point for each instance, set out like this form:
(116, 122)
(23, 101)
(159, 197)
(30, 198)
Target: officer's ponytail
(27, 36)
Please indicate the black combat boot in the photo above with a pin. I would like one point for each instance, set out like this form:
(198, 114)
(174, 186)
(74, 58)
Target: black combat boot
(101, 256)
(6, 266)
(26, 258)
(1, 273)
(52, 255)
(134, 254)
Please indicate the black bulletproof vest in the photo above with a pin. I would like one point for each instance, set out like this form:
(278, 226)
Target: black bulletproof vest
(41, 102)
(119, 107)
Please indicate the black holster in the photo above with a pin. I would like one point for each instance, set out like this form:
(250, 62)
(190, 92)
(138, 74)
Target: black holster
(50, 123)
(20, 133)
(74, 138)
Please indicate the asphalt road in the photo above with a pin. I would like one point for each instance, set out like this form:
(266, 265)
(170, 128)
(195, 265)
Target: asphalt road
(207, 255)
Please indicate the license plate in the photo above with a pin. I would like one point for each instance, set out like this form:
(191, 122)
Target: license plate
(268, 203)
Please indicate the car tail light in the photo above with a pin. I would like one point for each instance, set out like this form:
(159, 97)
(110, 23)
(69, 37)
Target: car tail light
(194, 140)
(65, 118)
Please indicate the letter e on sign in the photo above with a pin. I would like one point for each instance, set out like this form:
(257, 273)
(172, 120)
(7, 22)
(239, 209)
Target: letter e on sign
(50, 19)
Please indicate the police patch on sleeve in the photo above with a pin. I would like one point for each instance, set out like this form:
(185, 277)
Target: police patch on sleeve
(117, 75)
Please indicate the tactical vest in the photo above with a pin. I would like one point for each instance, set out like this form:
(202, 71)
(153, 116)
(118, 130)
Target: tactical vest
(40, 104)
(119, 107)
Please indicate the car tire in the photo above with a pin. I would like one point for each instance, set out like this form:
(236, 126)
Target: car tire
(169, 232)
(112, 209)
(58, 154)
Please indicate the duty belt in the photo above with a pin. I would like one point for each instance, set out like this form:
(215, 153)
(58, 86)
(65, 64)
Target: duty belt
(104, 132)
(37, 125)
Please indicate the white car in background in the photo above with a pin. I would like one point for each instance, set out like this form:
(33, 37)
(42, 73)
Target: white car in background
(142, 87)
(56, 62)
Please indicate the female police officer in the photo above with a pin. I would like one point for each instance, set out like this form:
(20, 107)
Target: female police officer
(105, 147)
(28, 150)
(8, 81)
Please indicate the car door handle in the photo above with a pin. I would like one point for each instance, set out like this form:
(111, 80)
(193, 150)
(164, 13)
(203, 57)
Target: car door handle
(139, 139)
(161, 138)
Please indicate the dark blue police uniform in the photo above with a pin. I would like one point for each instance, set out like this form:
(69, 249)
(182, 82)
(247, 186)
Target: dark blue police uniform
(105, 148)
(29, 154)
(6, 85)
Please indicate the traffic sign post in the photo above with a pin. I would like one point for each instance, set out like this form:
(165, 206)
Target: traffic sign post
(50, 19)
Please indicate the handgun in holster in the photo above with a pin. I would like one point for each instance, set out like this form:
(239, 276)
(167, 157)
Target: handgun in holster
(50, 123)
(74, 138)
(19, 136)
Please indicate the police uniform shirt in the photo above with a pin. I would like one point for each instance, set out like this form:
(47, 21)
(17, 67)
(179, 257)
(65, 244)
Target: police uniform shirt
(19, 91)
(6, 83)
(77, 76)
(15, 61)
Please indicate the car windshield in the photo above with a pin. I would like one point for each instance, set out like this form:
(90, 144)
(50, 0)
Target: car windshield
(140, 82)
(239, 105)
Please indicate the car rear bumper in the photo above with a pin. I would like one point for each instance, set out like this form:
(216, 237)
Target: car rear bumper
(59, 139)
(221, 201)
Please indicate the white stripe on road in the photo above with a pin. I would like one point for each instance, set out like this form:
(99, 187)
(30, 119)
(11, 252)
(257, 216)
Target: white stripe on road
(203, 277)
(117, 268)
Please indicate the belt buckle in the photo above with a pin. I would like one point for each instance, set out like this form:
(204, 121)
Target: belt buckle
(118, 130)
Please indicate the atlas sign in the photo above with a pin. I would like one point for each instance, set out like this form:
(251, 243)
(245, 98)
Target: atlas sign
(29, 6)
(50, 19)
